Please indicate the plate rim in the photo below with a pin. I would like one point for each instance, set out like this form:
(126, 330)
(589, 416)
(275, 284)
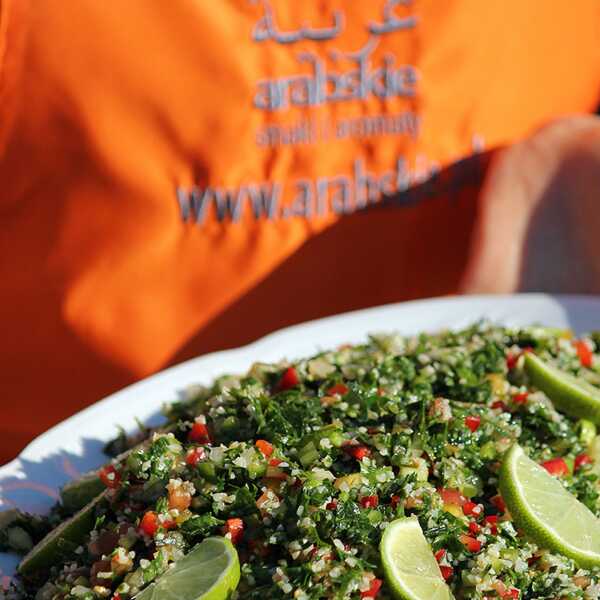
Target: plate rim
(284, 332)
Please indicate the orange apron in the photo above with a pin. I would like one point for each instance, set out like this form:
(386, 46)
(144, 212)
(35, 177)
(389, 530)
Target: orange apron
(187, 175)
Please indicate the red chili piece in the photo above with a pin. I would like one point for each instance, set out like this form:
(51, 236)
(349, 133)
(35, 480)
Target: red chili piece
(149, 523)
(582, 459)
(199, 434)
(235, 529)
(491, 522)
(440, 554)
(369, 501)
(498, 502)
(470, 543)
(556, 466)
(110, 477)
(338, 388)
(474, 528)
(265, 447)
(194, 456)
(473, 422)
(447, 572)
(586, 357)
(472, 509)
(358, 452)
(288, 380)
(373, 590)
(520, 398)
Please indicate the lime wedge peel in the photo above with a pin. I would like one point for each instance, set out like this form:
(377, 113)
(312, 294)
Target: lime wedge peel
(552, 516)
(408, 563)
(211, 571)
(571, 395)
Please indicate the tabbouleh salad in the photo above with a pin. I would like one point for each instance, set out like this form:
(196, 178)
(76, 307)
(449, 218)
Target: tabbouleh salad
(302, 465)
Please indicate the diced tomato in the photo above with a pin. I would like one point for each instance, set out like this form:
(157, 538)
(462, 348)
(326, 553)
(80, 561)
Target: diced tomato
(116, 597)
(149, 523)
(472, 509)
(199, 434)
(394, 501)
(520, 398)
(556, 466)
(274, 462)
(498, 502)
(369, 501)
(582, 459)
(288, 380)
(331, 505)
(194, 456)
(474, 528)
(470, 543)
(451, 497)
(358, 452)
(586, 358)
(473, 422)
(265, 447)
(512, 593)
(338, 388)
(110, 477)
(499, 404)
(491, 522)
(275, 473)
(447, 572)
(440, 554)
(373, 590)
(235, 529)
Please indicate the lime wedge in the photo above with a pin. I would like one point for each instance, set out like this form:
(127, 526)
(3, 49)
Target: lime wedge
(572, 396)
(552, 516)
(211, 571)
(408, 563)
(76, 494)
(62, 540)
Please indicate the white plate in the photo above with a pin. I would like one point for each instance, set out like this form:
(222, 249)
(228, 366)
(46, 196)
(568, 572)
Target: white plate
(32, 481)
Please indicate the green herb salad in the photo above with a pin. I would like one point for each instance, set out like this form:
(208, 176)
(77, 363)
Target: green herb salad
(302, 467)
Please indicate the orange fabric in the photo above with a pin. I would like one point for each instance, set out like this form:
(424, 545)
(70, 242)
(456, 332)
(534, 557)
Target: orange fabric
(107, 109)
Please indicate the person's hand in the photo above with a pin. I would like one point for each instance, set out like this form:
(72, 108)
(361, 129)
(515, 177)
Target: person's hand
(538, 222)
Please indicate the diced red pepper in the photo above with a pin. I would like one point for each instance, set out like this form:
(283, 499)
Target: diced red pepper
(288, 380)
(447, 572)
(110, 477)
(474, 528)
(338, 388)
(194, 456)
(440, 554)
(358, 452)
(491, 521)
(520, 398)
(582, 459)
(274, 462)
(556, 466)
(235, 529)
(470, 543)
(452, 497)
(369, 501)
(394, 501)
(373, 590)
(473, 422)
(149, 523)
(331, 505)
(499, 404)
(498, 502)
(586, 358)
(265, 447)
(199, 434)
(511, 360)
(472, 509)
